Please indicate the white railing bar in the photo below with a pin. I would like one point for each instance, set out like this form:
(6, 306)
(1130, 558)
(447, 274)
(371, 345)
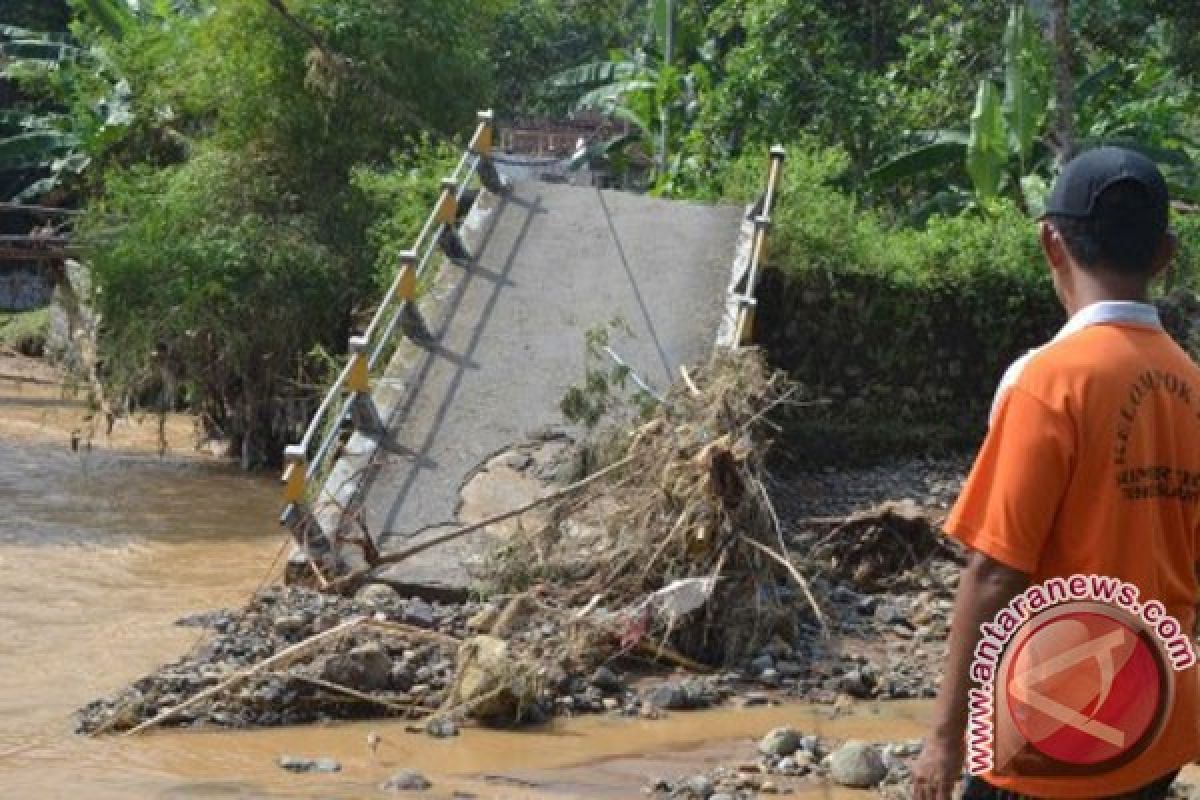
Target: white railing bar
(334, 391)
(330, 437)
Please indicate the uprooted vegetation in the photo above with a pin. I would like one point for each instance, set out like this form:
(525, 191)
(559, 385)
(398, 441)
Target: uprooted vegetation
(678, 543)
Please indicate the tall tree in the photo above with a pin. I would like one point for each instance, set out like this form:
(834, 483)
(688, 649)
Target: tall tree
(1064, 84)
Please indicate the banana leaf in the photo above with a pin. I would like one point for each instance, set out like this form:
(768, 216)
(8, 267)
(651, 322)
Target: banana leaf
(987, 148)
(594, 74)
(34, 150)
(602, 149)
(944, 148)
(1024, 102)
(605, 96)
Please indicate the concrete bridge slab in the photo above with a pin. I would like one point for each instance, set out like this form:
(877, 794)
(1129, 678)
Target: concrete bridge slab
(556, 262)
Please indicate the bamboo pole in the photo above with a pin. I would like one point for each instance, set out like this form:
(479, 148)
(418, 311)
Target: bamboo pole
(282, 657)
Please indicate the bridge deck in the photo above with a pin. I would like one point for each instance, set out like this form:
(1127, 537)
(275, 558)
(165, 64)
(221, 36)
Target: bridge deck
(555, 262)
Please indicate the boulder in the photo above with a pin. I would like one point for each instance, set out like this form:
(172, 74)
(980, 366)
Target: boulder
(377, 596)
(780, 742)
(857, 765)
(367, 667)
(407, 780)
(491, 684)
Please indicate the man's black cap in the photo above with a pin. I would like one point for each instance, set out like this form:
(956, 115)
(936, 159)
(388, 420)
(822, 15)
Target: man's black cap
(1089, 174)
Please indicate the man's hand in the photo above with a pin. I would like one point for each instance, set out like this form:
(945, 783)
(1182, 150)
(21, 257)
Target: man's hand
(986, 586)
(938, 768)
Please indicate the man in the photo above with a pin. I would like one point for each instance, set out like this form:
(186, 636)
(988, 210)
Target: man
(1059, 486)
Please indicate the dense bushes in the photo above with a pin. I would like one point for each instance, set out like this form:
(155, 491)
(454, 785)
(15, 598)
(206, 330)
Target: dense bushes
(905, 331)
(218, 284)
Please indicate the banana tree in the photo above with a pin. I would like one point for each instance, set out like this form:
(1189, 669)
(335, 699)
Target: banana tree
(1001, 151)
(643, 89)
(41, 151)
(1012, 144)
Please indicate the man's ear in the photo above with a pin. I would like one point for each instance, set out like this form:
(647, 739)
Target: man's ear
(1053, 246)
(1165, 254)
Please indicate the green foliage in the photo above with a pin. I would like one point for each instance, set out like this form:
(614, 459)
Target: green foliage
(606, 389)
(25, 331)
(217, 276)
(400, 198)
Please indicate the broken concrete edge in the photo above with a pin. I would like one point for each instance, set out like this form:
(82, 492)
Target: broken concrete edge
(341, 493)
(727, 334)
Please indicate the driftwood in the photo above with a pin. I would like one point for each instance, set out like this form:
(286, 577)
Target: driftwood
(357, 695)
(403, 629)
(408, 552)
(280, 658)
(796, 576)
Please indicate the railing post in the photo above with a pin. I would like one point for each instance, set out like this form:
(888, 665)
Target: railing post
(449, 240)
(363, 413)
(482, 147)
(448, 202)
(758, 254)
(295, 475)
(411, 323)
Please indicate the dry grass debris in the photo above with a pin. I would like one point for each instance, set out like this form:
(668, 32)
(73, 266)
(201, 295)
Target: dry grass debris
(680, 547)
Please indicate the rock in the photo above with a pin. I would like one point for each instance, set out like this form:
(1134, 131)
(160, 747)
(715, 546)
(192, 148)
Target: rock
(770, 677)
(753, 699)
(488, 681)
(407, 780)
(762, 664)
(789, 669)
(298, 764)
(888, 614)
(377, 595)
(780, 742)
(700, 786)
(857, 765)
(699, 693)
(441, 728)
(291, 625)
(668, 697)
(606, 680)
(857, 683)
(367, 667)
(419, 613)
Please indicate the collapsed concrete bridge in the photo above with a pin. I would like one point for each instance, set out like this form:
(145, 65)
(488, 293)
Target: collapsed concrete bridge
(481, 336)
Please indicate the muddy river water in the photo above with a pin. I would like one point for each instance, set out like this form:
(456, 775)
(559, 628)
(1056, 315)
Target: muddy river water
(101, 551)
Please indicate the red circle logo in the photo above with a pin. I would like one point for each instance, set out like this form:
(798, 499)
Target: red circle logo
(1085, 687)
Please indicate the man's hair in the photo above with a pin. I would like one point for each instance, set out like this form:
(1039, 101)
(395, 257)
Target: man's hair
(1122, 234)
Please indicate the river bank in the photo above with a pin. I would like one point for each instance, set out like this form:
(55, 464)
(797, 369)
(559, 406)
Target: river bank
(43, 405)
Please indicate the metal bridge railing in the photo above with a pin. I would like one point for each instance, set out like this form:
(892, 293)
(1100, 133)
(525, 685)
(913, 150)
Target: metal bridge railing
(308, 462)
(747, 302)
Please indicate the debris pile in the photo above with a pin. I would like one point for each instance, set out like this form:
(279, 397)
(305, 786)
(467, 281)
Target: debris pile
(677, 550)
(886, 548)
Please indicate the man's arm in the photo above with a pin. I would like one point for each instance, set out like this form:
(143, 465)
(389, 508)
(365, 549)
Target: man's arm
(985, 587)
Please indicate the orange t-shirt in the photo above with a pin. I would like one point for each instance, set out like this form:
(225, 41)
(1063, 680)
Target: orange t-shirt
(1092, 466)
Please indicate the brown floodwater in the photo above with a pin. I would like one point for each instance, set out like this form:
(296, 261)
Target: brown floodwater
(100, 553)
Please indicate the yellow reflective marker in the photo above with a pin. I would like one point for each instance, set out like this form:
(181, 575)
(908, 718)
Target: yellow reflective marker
(359, 380)
(448, 204)
(295, 482)
(406, 282)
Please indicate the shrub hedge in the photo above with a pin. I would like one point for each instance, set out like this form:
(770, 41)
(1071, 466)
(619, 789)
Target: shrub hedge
(904, 331)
